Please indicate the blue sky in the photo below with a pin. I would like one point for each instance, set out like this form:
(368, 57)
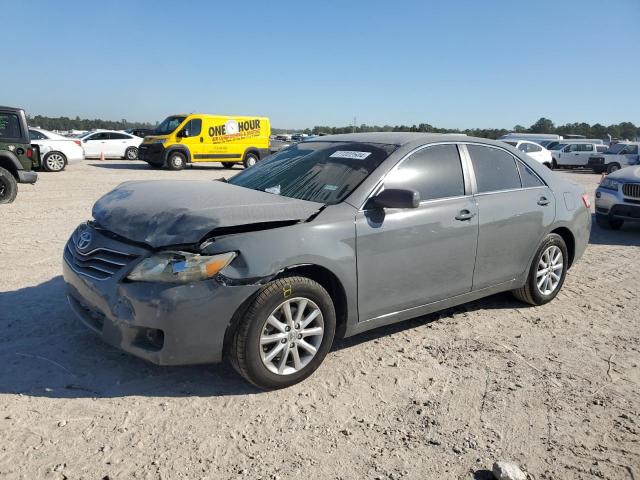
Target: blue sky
(475, 63)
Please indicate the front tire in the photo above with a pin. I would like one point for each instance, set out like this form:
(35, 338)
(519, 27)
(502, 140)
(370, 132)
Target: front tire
(607, 223)
(131, 153)
(8, 186)
(54, 162)
(612, 167)
(546, 273)
(285, 334)
(176, 161)
(250, 159)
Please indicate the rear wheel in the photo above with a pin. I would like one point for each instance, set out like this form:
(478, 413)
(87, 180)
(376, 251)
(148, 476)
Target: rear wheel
(546, 273)
(228, 164)
(8, 186)
(54, 162)
(607, 223)
(131, 153)
(612, 167)
(250, 159)
(176, 161)
(285, 333)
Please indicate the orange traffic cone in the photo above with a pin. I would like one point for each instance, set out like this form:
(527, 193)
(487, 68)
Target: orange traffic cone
(101, 155)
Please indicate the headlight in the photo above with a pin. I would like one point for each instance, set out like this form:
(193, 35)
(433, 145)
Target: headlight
(160, 141)
(609, 184)
(180, 267)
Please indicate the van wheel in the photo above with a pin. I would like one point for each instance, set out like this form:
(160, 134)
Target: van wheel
(612, 167)
(250, 159)
(131, 153)
(228, 164)
(54, 162)
(8, 186)
(285, 333)
(176, 161)
(546, 273)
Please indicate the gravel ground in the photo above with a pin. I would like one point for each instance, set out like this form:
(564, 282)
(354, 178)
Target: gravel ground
(553, 388)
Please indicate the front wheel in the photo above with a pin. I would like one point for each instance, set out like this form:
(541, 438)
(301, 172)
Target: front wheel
(607, 223)
(547, 272)
(8, 186)
(612, 167)
(285, 333)
(54, 162)
(176, 161)
(250, 160)
(131, 153)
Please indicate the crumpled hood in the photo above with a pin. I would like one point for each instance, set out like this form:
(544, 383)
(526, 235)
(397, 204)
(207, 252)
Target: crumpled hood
(172, 212)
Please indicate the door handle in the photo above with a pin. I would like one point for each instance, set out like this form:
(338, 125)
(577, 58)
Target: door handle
(201, 140)
(543, 201)
(465, 215)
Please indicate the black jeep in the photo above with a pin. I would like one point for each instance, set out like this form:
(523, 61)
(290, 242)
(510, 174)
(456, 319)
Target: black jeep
(17, 156)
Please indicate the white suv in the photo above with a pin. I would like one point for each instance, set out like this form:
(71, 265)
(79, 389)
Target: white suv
(571, 155)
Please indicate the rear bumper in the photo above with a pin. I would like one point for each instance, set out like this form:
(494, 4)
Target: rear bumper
(25, 176)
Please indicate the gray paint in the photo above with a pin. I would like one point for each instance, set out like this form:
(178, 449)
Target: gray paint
(392, 265)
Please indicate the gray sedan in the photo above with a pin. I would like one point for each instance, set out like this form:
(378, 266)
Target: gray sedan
(329, 238)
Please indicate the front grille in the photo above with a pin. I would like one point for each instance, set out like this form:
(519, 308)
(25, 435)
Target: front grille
(98, 263)
(631, 190)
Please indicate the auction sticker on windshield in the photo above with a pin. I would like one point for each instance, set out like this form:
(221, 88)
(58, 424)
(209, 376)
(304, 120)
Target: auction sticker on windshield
(350, 154)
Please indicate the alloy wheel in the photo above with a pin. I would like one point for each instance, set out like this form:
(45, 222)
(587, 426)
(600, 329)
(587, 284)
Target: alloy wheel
(291, 336)
(549, 271)
(55, 162)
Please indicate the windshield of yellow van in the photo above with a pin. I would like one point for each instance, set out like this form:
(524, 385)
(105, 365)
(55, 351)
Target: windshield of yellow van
(168, 125)
(325, 172)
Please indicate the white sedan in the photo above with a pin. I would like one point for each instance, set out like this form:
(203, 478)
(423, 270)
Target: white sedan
(56, 151)
(111, 144)
(534, 150)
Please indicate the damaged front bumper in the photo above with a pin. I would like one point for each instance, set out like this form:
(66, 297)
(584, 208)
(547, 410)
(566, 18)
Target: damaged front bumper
(167, 324)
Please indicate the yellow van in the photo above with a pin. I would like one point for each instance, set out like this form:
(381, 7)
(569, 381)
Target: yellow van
(194, 138)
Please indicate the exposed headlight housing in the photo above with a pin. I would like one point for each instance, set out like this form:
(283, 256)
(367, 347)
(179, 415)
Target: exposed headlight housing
(609, 184)
(180, 267)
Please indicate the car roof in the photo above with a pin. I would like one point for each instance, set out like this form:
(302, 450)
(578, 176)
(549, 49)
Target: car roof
(400, 138)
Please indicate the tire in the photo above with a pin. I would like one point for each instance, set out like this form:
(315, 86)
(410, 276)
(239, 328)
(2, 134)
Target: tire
(250, 357)
(250, 159)
(131, 153)
(612, 167)
(533, 294)
(548, 165)
(54, 162)
(228, 164)
(176, 161)
(607, 223)
(8, 186)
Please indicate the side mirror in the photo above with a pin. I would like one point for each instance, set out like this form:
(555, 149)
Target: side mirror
(396, 198)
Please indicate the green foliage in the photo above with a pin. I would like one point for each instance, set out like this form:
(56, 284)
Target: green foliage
(65, 123)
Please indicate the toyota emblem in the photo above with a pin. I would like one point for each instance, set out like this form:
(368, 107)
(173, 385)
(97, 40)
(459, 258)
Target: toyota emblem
(84, 240)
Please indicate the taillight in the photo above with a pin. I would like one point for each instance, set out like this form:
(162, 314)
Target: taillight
(29, 152)
(77, 142)
(586, 201)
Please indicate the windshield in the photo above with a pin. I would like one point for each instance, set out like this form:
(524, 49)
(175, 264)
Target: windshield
(616, 149)
(169, 124)
(325, 172)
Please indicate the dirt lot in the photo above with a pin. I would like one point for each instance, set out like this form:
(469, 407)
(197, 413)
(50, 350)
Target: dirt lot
(554, 388)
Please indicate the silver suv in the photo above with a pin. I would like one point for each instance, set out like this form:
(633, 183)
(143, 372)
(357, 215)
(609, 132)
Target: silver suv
(618, 156)
(618, 198)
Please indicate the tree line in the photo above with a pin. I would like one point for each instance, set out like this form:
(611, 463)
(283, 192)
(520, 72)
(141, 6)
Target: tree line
(623, 130)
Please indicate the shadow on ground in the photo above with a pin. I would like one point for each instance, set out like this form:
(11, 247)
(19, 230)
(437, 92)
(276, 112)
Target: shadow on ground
(140, 165)
(628, 235)
(45, 351)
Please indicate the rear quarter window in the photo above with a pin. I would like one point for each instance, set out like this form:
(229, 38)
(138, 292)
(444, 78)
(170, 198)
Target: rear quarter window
(10, 126)
(495, 169)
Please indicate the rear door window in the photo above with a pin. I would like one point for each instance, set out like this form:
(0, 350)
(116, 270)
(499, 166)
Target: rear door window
(119, 136)
(495, 169)
(10, 126)
(35, 135)
(435, 172)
